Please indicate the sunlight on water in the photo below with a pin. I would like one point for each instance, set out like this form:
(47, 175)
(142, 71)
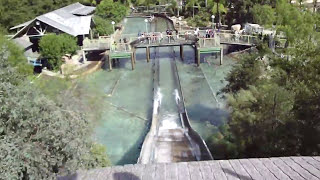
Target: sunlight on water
(127, 103)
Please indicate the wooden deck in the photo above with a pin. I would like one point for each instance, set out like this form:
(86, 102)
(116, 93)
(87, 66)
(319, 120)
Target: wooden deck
(291, 168)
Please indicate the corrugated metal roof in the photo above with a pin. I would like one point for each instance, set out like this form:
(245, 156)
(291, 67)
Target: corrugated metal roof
(21, 25)
(79, 9)
(65, 20)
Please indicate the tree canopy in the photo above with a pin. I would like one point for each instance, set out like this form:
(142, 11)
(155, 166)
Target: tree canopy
(40, 138)
(53, 47)
(274, 96)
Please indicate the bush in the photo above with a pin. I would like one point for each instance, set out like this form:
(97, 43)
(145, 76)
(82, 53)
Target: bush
(102, 26)
(40, 138)
(107, 9)
(200, 20)
(15, 56)
(54, 47)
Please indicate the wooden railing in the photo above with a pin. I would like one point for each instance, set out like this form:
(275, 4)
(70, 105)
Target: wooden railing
(101, 43)
(237, 38)
(120, 47)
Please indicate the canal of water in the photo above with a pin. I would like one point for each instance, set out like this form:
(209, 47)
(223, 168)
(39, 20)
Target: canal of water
(126, 96)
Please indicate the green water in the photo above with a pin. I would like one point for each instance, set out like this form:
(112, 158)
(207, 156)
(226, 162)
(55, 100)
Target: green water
(202, 90)
(126, 96)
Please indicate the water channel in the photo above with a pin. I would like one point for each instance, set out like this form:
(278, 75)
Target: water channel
(127, 96)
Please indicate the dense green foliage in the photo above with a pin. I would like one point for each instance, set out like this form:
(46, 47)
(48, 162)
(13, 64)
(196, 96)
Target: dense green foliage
(108, 11)
(15, 57)
(273, 98)
(39, 137)
(102, 26)
(53, 47)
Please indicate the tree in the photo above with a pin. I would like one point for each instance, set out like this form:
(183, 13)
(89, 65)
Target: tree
(245, 74)
(36, 140)
(15, 56)
(110, 10)
(261, 119)
(263, 15)
(53, 47)
(102, 26)
(193, 3)
(218, 8)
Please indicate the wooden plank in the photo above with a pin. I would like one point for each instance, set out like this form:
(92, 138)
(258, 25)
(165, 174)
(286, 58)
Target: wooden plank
(194, 170)
(109, 176)
(171, 171)
(105, 173)
(316, 158)
(160, 173)
(216, 170)
(228, 170)
(286, 169)
(117, 173)
(312, 161)
(308, 167)
(138, 170)
(149, 172)
(254, 172)
(183, 171)
(274, 169)
(205, 170)
(127, 170)
(98, 173)
(242, 173)
(297, 168)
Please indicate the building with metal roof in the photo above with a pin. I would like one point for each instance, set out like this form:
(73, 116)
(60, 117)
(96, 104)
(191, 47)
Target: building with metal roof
(74, 19)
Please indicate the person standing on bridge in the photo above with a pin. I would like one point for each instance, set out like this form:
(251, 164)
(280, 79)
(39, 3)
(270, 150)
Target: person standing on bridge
(161, 37)
(113, 46)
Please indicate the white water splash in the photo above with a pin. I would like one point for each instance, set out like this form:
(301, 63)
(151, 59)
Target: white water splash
(157, 101)
(169, 122)
(177, 97)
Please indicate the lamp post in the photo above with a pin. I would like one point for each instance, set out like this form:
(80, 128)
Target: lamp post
(146, 21)
(180, 23)
(212, 17)
(112, 22)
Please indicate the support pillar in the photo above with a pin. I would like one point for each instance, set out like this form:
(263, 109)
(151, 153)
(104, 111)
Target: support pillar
(84, 56)
(198, 57)
(181, 52)
(132, 61)
(110, 64)
(134, 55)
(148, 53)
(221, 55)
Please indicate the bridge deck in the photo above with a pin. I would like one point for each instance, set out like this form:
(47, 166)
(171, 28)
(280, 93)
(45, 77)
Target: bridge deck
(263, 168)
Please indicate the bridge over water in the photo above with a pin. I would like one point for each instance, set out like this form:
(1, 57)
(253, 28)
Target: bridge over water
(201, 44)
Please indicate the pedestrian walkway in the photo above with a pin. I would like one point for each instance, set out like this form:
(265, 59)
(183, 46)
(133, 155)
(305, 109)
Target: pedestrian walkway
(291, 168)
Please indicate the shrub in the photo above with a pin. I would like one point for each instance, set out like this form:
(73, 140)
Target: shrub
(53, 47)
(41, 138)
(102, 26)
(108, 9)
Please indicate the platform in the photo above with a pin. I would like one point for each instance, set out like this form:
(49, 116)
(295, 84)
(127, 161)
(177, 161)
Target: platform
(291, 168)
